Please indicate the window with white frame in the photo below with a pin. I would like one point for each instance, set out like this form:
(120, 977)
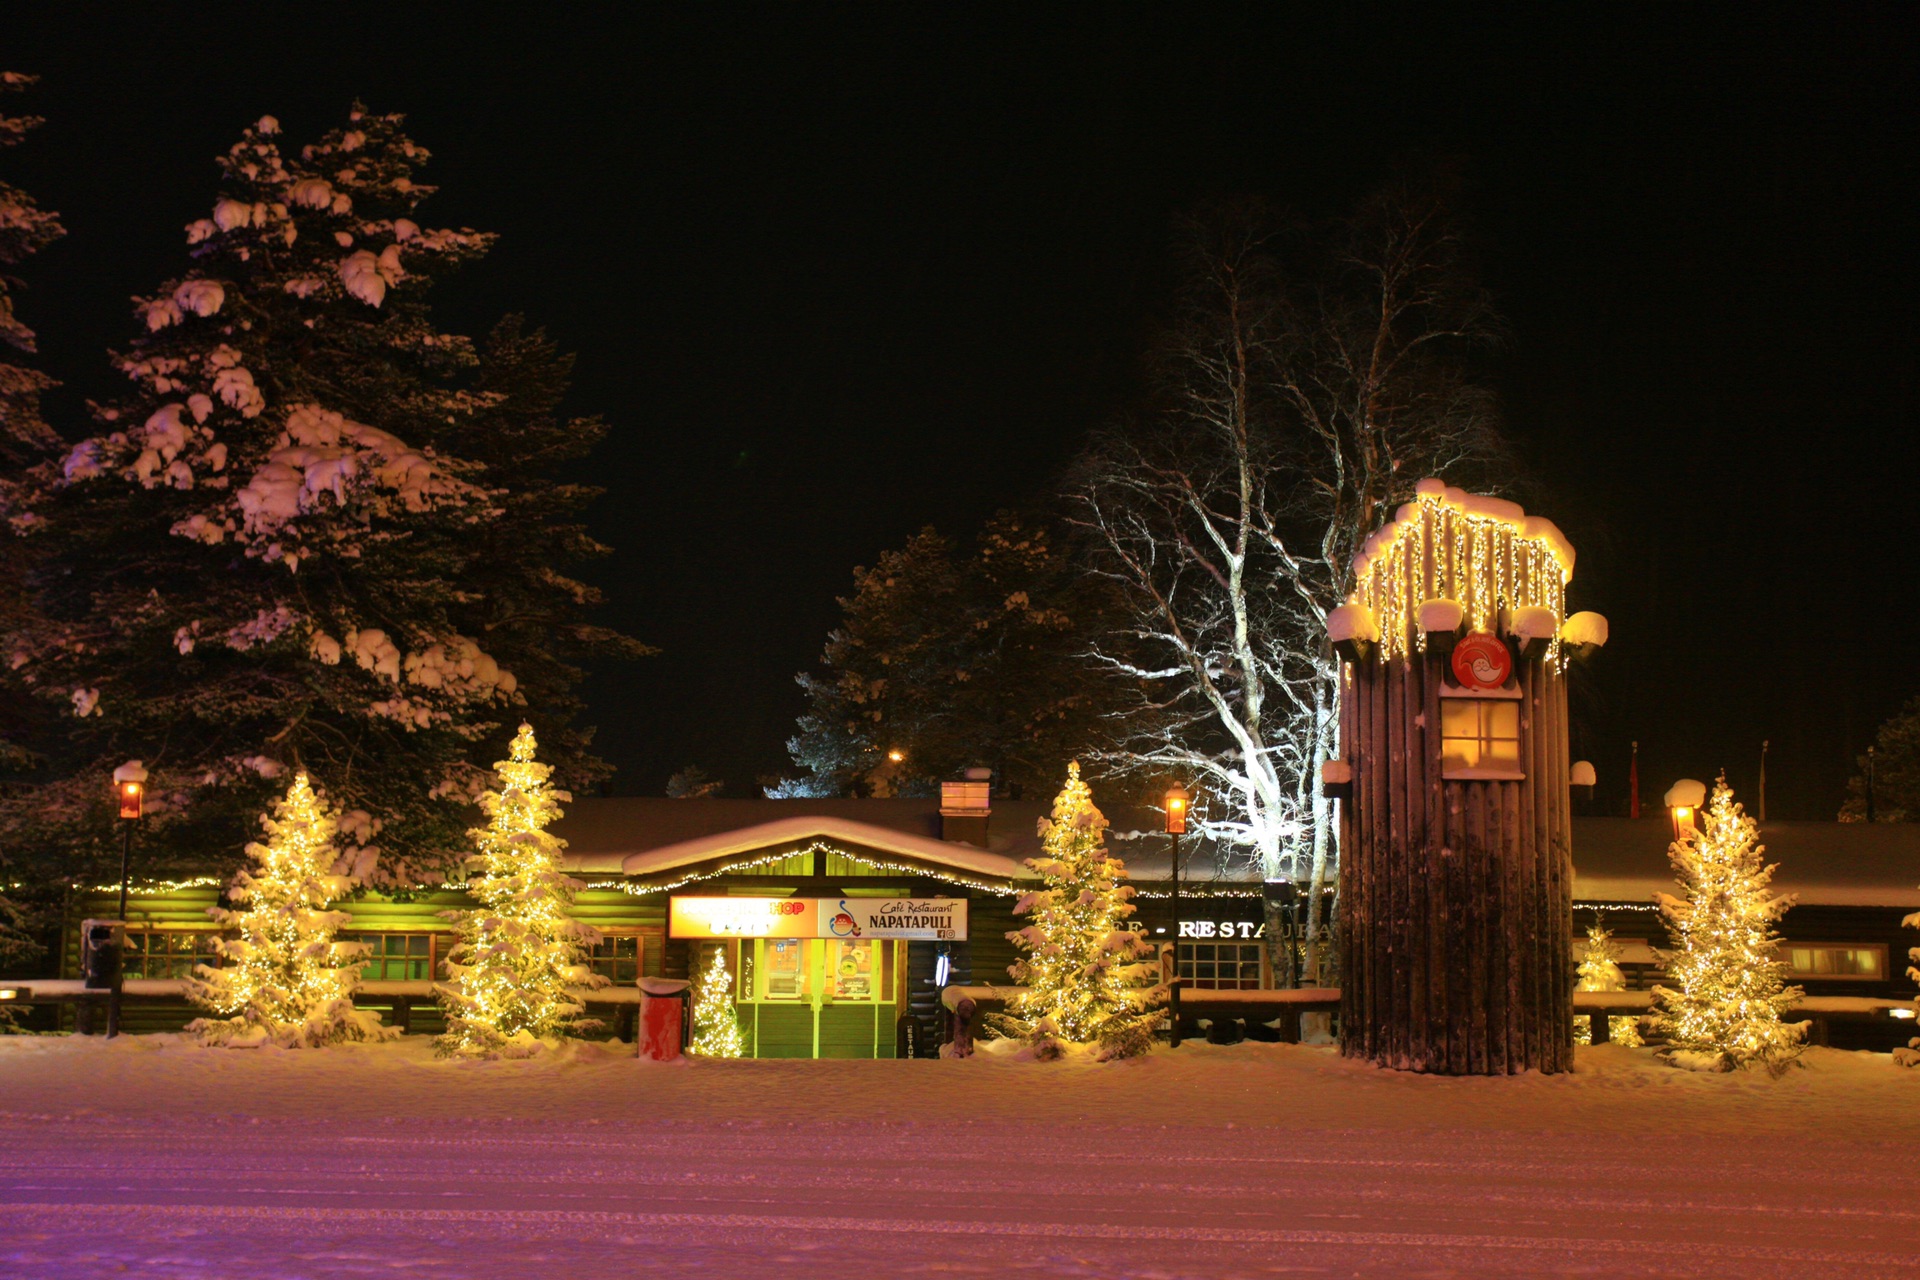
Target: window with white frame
(395, 957)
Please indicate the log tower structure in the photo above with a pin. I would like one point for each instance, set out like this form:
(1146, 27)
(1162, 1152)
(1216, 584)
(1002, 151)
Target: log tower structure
(1456, 877)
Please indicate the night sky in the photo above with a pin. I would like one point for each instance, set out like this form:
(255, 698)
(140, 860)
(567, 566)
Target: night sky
(836, 273)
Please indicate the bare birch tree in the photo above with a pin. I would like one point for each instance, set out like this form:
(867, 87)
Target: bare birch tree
(1301, 391)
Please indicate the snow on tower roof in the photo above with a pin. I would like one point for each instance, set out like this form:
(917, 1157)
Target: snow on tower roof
(1483, 506)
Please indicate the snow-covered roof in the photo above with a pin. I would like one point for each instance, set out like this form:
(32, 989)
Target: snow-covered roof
(1614, 859)
(1831, 864)
(787, 832)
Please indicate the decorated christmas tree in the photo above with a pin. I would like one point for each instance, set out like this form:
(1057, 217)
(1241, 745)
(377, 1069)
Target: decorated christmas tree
(716, 1028)
(520, 959)
(1910, 1056)
(1083, 969)
(1600, 971)
(1723, 1009)
(285, 980)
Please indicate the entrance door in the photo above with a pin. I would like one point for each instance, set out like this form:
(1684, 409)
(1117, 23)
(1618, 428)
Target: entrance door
(821, 998)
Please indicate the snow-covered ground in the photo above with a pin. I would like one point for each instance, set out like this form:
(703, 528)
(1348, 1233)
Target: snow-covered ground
(151, 1157)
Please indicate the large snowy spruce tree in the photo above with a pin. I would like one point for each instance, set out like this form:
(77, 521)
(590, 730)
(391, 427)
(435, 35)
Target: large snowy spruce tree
(25, 441)
(317, 530)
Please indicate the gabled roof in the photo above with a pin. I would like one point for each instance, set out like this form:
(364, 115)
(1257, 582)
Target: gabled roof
(854, 837)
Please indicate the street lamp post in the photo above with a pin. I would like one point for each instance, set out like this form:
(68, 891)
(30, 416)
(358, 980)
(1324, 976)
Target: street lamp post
(130, 787)
(1178, 801)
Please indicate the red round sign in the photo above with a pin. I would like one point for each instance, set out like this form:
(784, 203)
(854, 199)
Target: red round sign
(1480, 661)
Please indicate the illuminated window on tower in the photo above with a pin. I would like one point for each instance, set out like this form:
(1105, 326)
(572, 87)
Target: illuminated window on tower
(1480, 738)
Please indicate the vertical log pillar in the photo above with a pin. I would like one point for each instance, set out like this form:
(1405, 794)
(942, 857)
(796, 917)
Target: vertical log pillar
(1456, 893)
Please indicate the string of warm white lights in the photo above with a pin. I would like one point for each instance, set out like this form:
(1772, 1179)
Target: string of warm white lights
(735, 866)
(511, 977)
(1728, 982)
(1483, 554)
(285, 979)
(1080, 965)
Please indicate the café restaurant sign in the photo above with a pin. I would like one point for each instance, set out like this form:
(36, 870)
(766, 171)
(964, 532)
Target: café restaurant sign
(915, 919)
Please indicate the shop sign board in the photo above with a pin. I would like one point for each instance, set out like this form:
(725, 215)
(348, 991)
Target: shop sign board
(916, 919)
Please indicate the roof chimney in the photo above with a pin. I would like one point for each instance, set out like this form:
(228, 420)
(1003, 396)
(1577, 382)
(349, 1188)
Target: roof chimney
(965, 806)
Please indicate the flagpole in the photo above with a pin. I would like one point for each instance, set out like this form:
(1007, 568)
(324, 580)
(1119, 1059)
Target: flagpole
(1633, 784)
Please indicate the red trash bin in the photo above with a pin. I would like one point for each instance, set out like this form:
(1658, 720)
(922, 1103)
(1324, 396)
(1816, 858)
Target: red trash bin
(663, 1006)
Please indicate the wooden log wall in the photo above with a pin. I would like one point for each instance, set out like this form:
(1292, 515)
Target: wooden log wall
(1456, 896)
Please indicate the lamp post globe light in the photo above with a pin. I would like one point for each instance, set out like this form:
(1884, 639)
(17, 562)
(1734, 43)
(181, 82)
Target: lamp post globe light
(1177, 804)
(130, 787)
(1683, 799)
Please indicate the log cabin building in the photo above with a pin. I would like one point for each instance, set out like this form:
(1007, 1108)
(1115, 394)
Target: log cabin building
(803, 991)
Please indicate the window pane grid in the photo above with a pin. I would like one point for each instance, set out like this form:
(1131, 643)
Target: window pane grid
(395, 957)
(616, 957)
(169, 953)
(1220, 966)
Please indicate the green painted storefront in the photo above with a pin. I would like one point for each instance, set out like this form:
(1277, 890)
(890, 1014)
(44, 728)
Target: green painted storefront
(795, 998)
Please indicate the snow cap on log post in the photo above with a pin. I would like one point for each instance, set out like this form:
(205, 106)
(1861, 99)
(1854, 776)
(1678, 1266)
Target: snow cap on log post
(1481, 554)
(1456, 872)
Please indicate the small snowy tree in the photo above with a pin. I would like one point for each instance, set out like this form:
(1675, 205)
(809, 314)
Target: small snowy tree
(1910, 1056)
(520, 958)
(716, 1027)
(285, 980)
(1600, 971)
(1083, 969)
(1729, 990)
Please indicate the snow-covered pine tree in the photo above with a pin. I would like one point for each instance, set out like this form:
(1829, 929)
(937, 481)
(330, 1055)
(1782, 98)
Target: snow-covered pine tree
(519, 589)
(25, 440)
(716, 1026)
(958, 660)
(1729, 990)
(512, 976)
(25, 437)
(1084, 971)
(1599, 970)
(285, 980)
(270, 551)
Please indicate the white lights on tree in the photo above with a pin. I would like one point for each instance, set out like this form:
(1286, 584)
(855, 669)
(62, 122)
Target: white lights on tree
(512, 978)
(1082, 968)
(285, 981)
(716, 1027)
(1728, 989)
(1600, 971)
